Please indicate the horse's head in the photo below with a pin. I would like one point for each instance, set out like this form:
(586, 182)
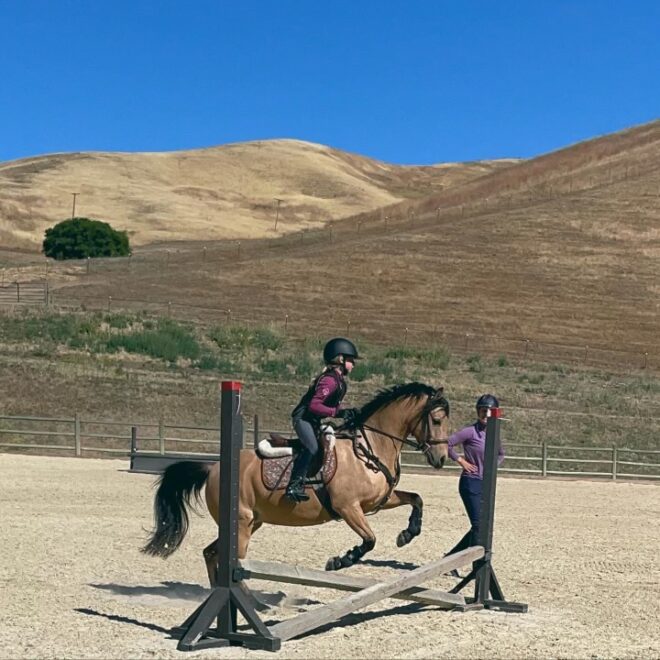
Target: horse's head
(432, 429)
(411, 409)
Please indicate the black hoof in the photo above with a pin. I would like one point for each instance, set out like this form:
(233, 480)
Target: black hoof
(333, 564)
(404, 538)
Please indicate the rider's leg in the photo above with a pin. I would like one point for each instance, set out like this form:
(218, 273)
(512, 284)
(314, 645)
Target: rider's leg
(308, 447)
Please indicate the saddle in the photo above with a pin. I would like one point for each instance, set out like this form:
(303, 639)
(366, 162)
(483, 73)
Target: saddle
(278, 452)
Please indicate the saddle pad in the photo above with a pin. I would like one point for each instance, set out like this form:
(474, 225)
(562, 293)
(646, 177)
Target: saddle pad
(276, 472)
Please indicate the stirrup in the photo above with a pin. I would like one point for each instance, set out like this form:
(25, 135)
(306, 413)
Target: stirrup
(295, 491)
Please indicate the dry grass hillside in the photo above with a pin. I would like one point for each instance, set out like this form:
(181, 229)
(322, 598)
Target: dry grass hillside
(210, 194)
(557, 257)
(562, 249)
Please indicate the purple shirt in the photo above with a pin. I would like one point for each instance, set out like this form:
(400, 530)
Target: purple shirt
(473, 439)
(324, 388)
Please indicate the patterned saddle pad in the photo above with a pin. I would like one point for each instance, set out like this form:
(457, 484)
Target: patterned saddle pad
(276, 472)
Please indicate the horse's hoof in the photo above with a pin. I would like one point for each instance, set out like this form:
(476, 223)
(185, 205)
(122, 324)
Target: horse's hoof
(333, 564)
(404, 538)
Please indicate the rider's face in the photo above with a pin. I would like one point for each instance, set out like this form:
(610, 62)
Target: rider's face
(349, 363)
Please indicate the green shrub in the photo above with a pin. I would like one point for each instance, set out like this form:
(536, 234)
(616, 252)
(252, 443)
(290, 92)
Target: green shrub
(210, 362)
(366, 369)
(118, 321)
(475, 364)
(275, 368)
(167, 341)
(79, 238)
(241, 338)
(435, 358)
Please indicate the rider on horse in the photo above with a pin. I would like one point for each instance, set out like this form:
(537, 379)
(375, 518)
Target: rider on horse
(322, 399)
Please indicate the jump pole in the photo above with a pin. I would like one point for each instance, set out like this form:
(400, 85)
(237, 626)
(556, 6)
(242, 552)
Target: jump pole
(487, 591)
(229, 594)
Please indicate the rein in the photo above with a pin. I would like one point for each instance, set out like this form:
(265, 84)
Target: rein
(376, 465)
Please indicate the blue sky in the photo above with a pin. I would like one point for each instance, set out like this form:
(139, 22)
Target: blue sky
(414, 82)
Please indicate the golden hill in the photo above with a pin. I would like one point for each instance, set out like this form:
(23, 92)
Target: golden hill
(562, 250)
(210, 194)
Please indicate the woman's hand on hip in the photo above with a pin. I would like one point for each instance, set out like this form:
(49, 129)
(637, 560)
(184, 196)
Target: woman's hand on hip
(467, 466)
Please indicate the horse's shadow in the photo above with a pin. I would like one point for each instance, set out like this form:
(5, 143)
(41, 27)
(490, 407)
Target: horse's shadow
(262, 601)
(170, 590)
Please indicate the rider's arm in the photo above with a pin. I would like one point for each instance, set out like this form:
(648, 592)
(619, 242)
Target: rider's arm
(324, 388)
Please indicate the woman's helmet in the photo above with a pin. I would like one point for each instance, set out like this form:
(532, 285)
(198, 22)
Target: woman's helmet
(339, 346)
(487, 401)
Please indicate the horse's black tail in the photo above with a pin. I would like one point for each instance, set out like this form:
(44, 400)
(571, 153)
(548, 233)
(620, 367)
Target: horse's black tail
(176, 488)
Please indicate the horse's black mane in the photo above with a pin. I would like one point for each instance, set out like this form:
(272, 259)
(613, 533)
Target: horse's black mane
(390, 394)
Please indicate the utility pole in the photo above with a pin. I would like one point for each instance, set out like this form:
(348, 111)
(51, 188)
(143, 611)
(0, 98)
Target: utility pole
(277, 211)
(73, 210)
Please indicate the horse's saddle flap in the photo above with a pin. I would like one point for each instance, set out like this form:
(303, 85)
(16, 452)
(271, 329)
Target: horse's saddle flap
(276, 471)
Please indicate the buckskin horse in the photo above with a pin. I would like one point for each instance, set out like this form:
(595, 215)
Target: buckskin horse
(367, 473)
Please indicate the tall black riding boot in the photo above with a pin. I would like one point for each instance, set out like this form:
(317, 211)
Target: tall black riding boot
(295, 491)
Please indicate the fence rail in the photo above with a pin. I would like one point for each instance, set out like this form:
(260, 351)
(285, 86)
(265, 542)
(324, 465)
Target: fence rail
(24, 293)
(87, 437)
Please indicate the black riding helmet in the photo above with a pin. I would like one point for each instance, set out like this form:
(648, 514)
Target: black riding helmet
(487, 401)
(339, 346)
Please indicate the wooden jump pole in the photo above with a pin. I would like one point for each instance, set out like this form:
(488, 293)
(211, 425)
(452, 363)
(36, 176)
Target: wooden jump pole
(229, 594)
(483, 573)
(286, 573)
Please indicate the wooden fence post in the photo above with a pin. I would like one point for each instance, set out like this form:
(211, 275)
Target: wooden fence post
(615, 458)
(133, 444)
(76, 434)
(161, 436)
(544, 460)
(255, 438)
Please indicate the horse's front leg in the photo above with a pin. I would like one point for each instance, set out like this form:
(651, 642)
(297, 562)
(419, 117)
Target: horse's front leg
(356, 520)
(399, 498)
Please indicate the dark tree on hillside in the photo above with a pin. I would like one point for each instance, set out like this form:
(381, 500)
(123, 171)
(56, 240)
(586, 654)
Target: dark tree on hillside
(79, 238)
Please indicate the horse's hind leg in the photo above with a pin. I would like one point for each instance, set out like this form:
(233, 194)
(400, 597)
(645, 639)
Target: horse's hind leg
(356, 520)
(246, 527)
(399, 498)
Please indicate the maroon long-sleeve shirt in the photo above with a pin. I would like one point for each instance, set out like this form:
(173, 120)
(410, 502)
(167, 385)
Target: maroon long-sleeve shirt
(326, 386)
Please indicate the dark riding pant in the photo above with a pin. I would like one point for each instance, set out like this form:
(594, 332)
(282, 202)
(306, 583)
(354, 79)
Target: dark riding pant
(469, 488)
(309, 445)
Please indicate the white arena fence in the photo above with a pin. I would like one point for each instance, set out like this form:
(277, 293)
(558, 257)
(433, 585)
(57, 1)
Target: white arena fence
(98, 438)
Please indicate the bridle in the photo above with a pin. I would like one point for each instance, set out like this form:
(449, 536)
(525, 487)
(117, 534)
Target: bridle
(365, 453)
(435, 400)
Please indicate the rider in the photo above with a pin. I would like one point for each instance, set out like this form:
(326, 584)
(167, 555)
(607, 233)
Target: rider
(322, 399)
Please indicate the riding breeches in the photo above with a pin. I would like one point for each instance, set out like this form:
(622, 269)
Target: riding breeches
(309, 445)
(307, 436)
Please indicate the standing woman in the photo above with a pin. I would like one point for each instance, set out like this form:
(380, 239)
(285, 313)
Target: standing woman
(473, 439)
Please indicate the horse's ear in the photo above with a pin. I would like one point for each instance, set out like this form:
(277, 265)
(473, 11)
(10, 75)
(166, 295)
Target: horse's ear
(440, 390)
